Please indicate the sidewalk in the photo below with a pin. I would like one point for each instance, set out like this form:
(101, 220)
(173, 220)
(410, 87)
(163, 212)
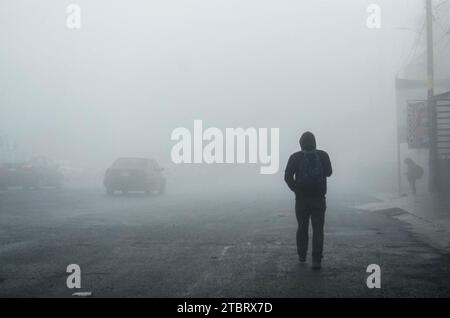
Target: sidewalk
(427, 214)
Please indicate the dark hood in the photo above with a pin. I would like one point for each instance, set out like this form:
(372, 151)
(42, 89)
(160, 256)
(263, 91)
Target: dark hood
(308, 141)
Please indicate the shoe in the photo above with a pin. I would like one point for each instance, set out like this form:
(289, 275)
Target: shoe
(302, 259)
(316, 265)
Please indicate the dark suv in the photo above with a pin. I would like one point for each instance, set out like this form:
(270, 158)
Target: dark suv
(134, 174)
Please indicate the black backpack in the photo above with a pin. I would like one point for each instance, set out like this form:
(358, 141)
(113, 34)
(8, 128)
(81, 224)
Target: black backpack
(310, 174)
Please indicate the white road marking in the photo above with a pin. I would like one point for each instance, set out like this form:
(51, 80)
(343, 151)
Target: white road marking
(82, 294)
(224, 251)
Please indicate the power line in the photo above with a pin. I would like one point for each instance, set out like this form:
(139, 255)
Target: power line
(441, 3)
(445, 32)
(413, 51)
(412, 56)
(444, 29)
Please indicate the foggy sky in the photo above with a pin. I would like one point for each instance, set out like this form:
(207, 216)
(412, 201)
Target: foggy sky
(136, 70)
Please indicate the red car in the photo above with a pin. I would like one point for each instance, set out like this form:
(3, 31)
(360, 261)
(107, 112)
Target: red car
(134, 174)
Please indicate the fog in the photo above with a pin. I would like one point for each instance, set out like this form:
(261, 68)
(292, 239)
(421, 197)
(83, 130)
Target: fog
(136, 70)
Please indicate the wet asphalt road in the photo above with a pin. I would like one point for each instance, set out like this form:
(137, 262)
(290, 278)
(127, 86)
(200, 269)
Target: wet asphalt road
(213, 244)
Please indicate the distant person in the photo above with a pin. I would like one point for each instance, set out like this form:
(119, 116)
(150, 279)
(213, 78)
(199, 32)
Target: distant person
(306, 175)
(413, 173)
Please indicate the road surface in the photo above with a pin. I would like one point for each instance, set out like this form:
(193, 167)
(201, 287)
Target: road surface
(216, 244)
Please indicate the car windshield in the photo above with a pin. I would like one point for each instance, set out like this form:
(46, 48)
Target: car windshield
(130, 163)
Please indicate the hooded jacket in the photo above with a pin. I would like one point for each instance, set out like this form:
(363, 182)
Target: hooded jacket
(307, 143)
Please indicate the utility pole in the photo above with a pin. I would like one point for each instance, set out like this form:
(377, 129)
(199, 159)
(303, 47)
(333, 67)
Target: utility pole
(433, 185)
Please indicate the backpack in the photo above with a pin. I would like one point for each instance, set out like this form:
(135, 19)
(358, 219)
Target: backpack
(310, 175)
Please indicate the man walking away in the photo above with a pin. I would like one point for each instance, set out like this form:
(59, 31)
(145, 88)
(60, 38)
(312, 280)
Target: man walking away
(306, 175)
(413, 173)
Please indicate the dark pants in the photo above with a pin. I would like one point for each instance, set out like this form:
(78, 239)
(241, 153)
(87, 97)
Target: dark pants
(314, 209)
(412, 184)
